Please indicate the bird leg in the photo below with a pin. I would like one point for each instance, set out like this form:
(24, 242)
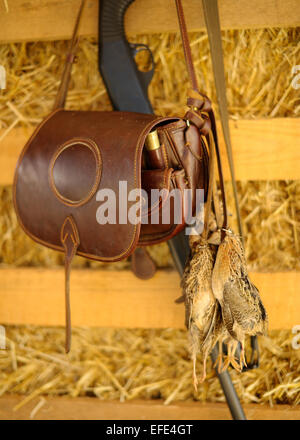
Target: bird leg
(242, 355)
(202, 379)
(230, 358)
(219, 361)
(195, 380)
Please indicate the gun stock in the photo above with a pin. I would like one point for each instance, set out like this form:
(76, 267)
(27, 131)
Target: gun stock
(116, 60)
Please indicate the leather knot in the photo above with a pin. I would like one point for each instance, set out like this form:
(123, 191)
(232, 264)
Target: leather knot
(198, 100)
(201, 121)
(195, 118)
(206, 126)
(71, 58)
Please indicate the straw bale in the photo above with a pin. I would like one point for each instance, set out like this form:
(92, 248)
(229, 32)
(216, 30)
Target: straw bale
(258, 66)
(128, 364)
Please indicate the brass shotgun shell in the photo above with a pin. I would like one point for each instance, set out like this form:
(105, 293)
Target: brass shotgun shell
(152, 141)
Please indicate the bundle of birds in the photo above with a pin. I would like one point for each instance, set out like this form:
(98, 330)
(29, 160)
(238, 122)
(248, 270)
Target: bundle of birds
(203, 316)
(221, 303)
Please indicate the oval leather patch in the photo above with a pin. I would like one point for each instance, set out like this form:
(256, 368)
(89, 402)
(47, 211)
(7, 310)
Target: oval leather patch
(75, 171)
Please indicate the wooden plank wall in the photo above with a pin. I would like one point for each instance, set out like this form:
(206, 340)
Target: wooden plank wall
(46, 19)
(107, 298)
(267, 149)
(87, 408)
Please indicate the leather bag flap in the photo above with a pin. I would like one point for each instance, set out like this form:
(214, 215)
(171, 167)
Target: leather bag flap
(72, 166)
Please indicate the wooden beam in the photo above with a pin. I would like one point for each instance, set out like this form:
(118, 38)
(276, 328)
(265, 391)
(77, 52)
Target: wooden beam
(263, 149)
(89, 408)
(106, 298)
(52, 20)
(10, 150)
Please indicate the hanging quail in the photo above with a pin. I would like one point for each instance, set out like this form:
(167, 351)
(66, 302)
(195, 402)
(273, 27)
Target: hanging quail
(242, 310)
(200, 304)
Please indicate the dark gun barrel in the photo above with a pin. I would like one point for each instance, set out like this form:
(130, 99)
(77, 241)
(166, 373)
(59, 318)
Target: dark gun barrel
(116, 60)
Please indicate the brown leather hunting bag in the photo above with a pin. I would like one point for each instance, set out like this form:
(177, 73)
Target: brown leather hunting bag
(74, 154)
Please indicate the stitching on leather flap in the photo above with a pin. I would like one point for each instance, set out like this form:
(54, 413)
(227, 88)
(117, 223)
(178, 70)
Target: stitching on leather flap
(96, 152)
(137, 184)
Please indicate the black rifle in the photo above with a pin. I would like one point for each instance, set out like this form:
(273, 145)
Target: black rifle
(127, 87)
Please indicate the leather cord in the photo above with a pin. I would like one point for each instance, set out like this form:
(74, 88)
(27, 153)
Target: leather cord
(186, 45)
(204, 105)
(221, 176)
(211, 14)
(210, 190)
(69, 237)
(70, 58)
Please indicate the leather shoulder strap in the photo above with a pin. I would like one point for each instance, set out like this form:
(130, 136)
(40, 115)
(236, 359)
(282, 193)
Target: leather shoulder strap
(186, 45)
(199, 105)
(196, 101)
(64, 83)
